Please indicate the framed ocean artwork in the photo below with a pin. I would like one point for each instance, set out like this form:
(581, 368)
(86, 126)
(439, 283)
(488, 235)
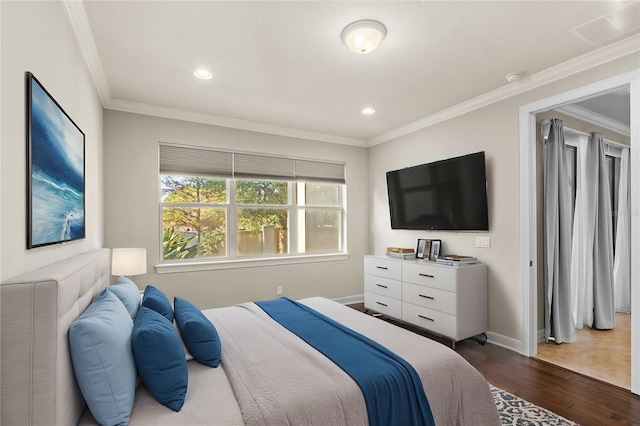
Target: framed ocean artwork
(55, 171)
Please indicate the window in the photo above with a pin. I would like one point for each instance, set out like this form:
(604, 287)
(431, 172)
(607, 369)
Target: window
(217, 205)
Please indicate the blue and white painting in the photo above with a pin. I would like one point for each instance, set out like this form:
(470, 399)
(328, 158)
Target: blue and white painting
(57, 172)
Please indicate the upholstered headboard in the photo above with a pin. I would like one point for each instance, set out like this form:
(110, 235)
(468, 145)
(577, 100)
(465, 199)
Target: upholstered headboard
(36, 310)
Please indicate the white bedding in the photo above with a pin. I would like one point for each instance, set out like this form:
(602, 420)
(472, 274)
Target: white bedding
(270, 376)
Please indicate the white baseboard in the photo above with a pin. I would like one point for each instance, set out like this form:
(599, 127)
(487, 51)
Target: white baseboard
(504, 341)
(347, 300)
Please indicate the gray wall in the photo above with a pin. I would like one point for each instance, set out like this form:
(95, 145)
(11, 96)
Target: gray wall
(493, 129)
(133, 218)
(36, 37)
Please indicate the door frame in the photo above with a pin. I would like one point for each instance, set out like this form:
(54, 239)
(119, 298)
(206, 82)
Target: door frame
(528, 209)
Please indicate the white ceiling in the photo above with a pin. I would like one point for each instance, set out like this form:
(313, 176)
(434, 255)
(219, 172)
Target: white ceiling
(281, 67)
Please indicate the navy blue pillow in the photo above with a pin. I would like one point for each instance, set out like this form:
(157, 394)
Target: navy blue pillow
(155, 299)
(198, 333)
(159, 357)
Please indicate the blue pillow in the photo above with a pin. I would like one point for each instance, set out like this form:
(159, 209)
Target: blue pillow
(198, 333)
(155, 299)
(128, 293)
(160, 358)
(100, 346)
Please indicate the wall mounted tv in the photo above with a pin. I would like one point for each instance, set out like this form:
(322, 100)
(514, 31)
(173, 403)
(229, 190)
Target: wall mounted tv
(445, 195)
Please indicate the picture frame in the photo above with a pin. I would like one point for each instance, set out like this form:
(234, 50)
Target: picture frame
(55, 170)
(435, 251)
(423, 248)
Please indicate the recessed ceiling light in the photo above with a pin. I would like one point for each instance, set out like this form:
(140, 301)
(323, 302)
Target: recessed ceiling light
(514, 76)
(363, 36)
(203, 74)
(368, 111)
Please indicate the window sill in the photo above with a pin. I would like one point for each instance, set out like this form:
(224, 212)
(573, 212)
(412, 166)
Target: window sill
(170, 268)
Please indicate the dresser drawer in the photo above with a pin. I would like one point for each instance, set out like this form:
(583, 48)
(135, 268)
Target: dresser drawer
(428, 297)
(438, 322)
(441, 277)
(383, 268)
(383, 286)
(383, 304)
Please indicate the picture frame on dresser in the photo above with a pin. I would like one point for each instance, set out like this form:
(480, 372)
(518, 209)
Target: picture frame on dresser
(435, 250)
(423, 249)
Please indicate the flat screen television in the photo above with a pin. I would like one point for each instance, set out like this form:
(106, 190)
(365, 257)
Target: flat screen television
(445, 195)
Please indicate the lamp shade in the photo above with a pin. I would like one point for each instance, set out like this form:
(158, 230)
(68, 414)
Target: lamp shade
(128, 261)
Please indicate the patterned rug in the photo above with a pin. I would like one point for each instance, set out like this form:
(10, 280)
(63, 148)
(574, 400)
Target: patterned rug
(517, 411)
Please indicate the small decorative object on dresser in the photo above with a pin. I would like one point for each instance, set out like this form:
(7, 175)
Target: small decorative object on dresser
(435, 249)
(424, 248)
(455, 260)
(401, 253)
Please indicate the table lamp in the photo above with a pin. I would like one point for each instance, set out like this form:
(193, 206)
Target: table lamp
(128, 261)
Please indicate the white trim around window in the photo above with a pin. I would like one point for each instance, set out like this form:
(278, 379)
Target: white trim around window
(212, 265)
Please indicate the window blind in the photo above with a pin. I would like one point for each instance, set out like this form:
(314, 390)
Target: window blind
(251, 166)
(195, 161)
(308, 170)
(205, 162)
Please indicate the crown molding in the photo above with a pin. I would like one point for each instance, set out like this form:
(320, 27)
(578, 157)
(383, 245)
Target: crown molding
(234, 123)
(584, 114)
(79, 22)
(584, 62)
(77, 17)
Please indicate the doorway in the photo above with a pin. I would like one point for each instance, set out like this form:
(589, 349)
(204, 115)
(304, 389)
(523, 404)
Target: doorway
(601, 354)
(529, 216)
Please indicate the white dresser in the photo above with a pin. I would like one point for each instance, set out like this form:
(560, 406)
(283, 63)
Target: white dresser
(447, 300)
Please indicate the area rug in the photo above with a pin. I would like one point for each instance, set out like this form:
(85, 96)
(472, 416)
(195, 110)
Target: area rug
(516, 411)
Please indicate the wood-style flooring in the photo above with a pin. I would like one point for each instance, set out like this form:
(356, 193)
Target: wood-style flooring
(576, 397)
(602, 354)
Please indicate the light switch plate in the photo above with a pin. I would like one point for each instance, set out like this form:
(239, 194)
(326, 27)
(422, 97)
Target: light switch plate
(483, 242)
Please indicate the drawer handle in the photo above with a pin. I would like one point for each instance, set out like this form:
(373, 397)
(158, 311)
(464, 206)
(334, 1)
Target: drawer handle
(427, 318)
(426, 297)
(383, 286)
(380, 303)
(426, 275)
(382, 267)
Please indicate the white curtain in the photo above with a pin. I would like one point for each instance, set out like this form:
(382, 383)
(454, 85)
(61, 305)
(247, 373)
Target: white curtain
(592, 243)
(602, 255)
(583, 232)
(622, 259)
(557, 239)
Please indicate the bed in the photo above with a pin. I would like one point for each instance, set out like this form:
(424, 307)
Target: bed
(295, 384)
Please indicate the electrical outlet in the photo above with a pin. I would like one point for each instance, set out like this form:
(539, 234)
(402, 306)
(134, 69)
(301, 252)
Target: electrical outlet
(483, 242)
(279, 290)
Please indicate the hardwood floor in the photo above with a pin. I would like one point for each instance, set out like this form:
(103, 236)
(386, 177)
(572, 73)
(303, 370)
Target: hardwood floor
(576, 397)
(601, 354)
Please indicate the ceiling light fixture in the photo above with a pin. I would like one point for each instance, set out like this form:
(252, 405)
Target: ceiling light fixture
(203, 74)
(368, 111)
(514, 76)
(363, 36)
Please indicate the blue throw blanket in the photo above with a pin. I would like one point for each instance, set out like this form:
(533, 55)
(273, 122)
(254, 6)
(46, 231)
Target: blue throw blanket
(391, 387)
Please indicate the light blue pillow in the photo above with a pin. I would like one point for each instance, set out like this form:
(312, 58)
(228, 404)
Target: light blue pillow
(128, 293)
(100, 346)
(155, 299)
(198, 333)
(159, 356)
